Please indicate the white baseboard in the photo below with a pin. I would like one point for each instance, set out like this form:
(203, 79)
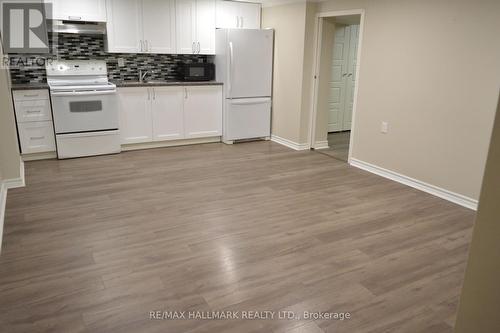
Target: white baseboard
(3, 201)
(289, 143)
(16, 182)
(172, 143)
(5, 185)
(39, 156)
(459, 199)
(321, 145)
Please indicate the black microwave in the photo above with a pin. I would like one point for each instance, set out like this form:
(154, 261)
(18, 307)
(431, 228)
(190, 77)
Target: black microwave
(199, 71)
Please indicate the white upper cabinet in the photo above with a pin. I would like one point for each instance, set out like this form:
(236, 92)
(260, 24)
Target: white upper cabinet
(234, 15)
(79, 10)
(141, 26)
(205, 26)
(249, 15)
(124, 27)
(158, 22)
(195, 26)
(186, 26)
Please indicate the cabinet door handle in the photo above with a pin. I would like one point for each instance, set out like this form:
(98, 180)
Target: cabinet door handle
(199, 48)
(33, 111)
(141, 45)
(193, 48)
(149, 94)
(241, 18)
(30, 95)
(146, 45)
(37, 137)
(185, 93)
(154, 93)
(237, 21)
(74, 18)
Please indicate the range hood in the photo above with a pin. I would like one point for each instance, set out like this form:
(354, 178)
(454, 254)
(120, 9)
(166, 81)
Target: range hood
(77, 27)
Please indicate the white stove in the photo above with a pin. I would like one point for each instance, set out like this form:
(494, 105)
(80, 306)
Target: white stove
(85, 108)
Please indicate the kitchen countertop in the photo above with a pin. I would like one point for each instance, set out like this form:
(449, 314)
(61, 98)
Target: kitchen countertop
(44, 85)
(164, 83)
(27, 86)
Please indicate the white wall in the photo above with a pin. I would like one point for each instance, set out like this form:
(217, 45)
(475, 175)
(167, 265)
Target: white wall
(432, 70)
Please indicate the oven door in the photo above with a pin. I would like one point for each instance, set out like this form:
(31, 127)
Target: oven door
(84, 111)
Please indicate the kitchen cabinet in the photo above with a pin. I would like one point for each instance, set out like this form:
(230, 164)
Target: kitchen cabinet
(202, 111)
(34, 121)
(124, 27)
(78, 10)
(195, 26)
(167, 106)
(149, 114)
(234, 15)
(135, 115)
(141, 26)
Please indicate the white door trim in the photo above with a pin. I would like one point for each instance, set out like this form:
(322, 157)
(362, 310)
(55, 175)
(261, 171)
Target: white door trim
(316, 67)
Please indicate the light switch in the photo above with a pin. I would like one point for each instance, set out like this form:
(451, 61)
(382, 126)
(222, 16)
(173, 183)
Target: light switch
(384, 127)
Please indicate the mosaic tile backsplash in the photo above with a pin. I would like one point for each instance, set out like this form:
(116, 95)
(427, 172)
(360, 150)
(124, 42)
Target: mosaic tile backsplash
(86, 47)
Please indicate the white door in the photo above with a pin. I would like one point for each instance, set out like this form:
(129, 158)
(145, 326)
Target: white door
(351, 76)
(185, 26)
(135, 115)
(124, 26)
(78, 10)
(158, 21)
(337, 82)
(205, 26)
(202, 111)
(249, 15)
(227, 14)
(167, 111)
(250, 63)
(247, 118)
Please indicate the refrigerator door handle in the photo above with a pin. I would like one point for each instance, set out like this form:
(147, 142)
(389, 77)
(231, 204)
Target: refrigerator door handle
(231, 54)
(250, 101)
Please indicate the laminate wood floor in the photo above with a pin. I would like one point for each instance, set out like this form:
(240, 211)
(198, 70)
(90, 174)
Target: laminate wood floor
(339, 145)
(95, 244)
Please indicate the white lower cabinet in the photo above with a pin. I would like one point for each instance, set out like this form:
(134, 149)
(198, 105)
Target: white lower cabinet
(168, 122)
(202, 111)
(135, 115)
(34, 121)
(150, 114)
(36, 137)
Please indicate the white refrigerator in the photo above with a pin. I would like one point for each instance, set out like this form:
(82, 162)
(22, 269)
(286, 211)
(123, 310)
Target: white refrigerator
(244, 63)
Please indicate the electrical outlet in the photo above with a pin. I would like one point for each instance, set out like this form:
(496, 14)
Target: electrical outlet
(121, 62)
(384, 127)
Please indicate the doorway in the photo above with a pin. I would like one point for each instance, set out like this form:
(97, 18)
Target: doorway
(335, 90)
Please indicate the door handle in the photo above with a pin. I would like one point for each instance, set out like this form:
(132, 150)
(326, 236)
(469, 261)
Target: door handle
(349, 75)
(146, 45)
(142, 48)
(231, 53)
(344, 75)
(193, 48)
(199, 48)
(185, 93)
